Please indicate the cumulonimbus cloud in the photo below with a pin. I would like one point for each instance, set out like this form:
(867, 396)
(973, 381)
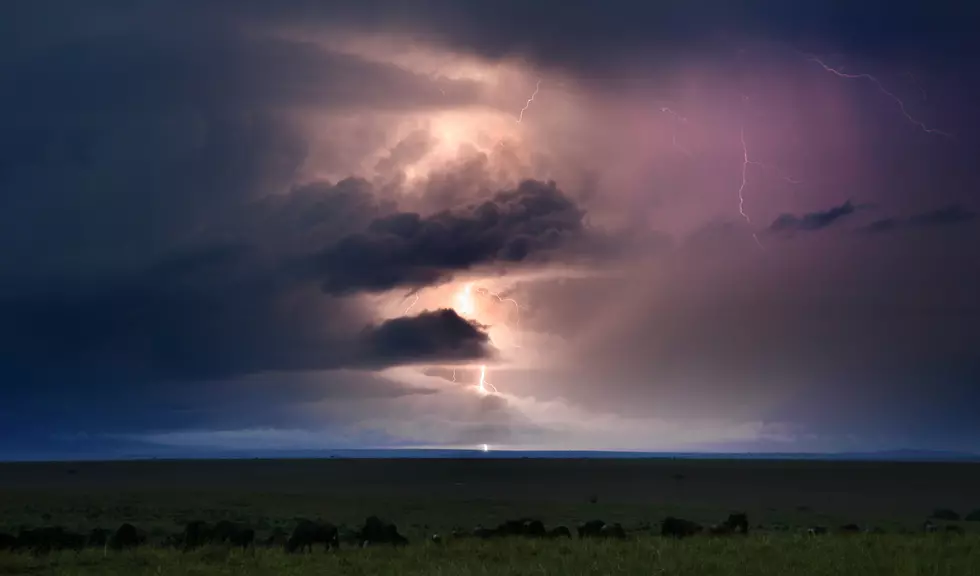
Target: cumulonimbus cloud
(409, 250)
(185, 203)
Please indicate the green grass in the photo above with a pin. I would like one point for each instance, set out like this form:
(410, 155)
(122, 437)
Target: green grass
(783, 555)
(424, 496)
(433, 496)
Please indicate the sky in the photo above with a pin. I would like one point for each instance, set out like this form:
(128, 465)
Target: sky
(613, 225)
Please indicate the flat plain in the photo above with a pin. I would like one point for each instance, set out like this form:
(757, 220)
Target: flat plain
(428, 496)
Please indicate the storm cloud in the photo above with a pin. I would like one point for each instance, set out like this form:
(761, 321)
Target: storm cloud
(813, 220)
(408, 250)
(238, 223)
(951, 215)
(153, 334)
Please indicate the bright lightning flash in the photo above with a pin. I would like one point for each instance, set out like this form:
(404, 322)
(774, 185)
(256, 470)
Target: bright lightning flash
(464, 301)
(881, 88)
(502, 300)
(520, 117)
(485, 387)
(466, 307)
(412, 305)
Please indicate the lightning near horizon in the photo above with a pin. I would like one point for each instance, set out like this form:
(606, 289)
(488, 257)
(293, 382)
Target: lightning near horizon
(881, 88)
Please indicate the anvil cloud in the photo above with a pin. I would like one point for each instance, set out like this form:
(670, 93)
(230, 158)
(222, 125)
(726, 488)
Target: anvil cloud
(227, 224)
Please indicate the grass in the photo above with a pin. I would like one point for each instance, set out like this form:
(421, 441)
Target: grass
(756, 555)
(428, 496)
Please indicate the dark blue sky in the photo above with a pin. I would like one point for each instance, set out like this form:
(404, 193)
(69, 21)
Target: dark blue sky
(213, 214)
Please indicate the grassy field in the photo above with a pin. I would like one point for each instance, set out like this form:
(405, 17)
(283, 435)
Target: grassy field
(756, 555)
(433, 496)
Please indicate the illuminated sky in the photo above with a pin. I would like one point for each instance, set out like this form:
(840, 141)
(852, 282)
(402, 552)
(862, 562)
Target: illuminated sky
(248, 225)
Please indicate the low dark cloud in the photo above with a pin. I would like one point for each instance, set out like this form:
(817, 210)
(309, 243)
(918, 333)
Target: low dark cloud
(431, 336)
(411, 250)
(150, 132)
(882, 225)
(951, 215)
(811, 221)
(182, 328)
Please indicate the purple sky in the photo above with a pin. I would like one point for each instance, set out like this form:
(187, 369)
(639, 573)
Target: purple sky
(239, 225)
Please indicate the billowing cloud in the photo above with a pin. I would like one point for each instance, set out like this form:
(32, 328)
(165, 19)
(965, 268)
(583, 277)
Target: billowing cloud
(811, 221)
(438, 336)
(165, 333)
(406, 249)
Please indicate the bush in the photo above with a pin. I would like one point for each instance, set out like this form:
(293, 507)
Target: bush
(945, 514)
(973, 516)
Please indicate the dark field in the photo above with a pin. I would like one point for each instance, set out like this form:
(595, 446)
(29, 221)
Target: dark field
(422, 497)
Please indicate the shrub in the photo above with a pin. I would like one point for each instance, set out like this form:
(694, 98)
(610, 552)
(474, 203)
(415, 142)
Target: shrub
(945, 514)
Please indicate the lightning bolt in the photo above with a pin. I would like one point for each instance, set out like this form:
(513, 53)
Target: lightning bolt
(745, 167)
(502, 300)
(673, 130)
(485, 387)
(412, 305)
(465, 306)
(746, 162)
(881, 88)
(520, 117)
(741, 188)
(499, 298)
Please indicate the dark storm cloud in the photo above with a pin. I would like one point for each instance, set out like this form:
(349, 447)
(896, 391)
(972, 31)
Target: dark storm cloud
(225, 66)
(134, 133)
(811, 221)
(951, 215)
(407, 249)
(180, 328)
(586, 37)
(308, 217)
(151, 128)
(432, 336)
(882, 225)
(589, 35)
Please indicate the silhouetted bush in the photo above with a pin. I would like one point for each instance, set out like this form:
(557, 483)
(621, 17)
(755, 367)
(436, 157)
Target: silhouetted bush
(945, 514)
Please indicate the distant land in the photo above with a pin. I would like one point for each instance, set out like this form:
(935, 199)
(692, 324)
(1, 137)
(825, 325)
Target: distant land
(437, 453)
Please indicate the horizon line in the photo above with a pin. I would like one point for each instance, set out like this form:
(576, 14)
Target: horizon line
(890, 455)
